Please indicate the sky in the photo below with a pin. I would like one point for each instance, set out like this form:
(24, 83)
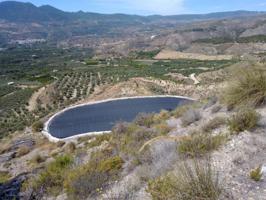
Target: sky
(149, 7)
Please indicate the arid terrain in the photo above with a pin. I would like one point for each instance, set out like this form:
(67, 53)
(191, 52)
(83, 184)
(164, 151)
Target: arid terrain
(211, 149)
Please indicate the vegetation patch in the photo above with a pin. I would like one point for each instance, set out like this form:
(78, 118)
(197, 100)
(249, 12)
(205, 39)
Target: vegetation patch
(22, 151)
(244, 119)
(50, 181)
(256, 174)
(90, 179)
(98, 140)
(190, 116)
(192, 182)
(214, 124)
(4, 176)
(37, 126)
(199, 144)
(249, 88)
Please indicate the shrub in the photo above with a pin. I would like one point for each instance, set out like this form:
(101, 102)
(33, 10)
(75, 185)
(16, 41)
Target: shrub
(23, 150)
(71, 147)
(199, 144)
(162, 116)
(163, 128)
(51, 179)
(4, 176)
(132, 139)
(256, 174)
(120, 128)
(192, 182)
(249, 88)
(216, 109)
(214, 124)
(190, 117)
(37, 126)
(244, 119)
(98, 140)
(60, 144)
(179, 111)
(38, 159)
(91, 178)
(144, 119)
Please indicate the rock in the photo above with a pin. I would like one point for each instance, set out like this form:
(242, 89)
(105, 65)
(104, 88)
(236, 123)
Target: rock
(7, 157)
(11, 189)
(29, 142)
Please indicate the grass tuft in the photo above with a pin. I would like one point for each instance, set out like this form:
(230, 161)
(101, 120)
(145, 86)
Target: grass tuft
(190, 116)
(214, 124)
(199, 144)
(244, 119)
(192, 182)
(256, 174)
(249, 88)
(4, 176)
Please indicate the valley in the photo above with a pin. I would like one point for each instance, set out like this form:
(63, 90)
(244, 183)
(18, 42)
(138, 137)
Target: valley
(212, 148)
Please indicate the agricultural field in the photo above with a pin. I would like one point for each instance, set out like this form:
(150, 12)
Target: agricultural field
(71, 75)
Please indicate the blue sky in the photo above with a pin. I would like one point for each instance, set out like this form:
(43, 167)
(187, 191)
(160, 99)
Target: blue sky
(147, 7)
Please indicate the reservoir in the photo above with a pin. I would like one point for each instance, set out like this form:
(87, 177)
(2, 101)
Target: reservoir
(102, 116)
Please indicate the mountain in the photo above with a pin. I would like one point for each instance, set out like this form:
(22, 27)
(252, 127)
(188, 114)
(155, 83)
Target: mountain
(26, 12)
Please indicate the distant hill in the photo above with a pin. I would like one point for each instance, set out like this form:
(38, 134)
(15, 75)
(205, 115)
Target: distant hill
(26, 12)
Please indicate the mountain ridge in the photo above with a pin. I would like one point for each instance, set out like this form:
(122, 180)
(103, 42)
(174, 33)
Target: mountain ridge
(27, 12)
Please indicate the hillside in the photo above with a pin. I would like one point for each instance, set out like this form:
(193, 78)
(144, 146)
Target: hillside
(212, 148)
(120, 34)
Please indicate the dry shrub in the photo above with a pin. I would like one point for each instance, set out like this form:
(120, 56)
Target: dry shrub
(38, 159)
(60, 144)
(91, 179)
(4, 176)
(50, 181)
(98, 140)
(200, 143)
(179, 111)
(37, 126)
(256, 174)
(23, 150)
(71, 147)
(163, 128)
(248, 88)
(162, 116)
(144, 119)
(214, 124)
(5, 148)
(190, 117)
(244, 119)
(216, 109)
(195, 181)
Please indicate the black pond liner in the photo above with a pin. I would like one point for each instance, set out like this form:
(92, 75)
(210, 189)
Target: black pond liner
(102, 116)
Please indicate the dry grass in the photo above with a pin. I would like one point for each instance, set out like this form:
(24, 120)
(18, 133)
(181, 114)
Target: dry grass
(4, 176)
(214, 124)
(249, 88)
(22, 151)
(37, 159)
(200, 144)
(244, 119)
(190, 116)
(195, 181)
(70, 147)
(256, 174)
